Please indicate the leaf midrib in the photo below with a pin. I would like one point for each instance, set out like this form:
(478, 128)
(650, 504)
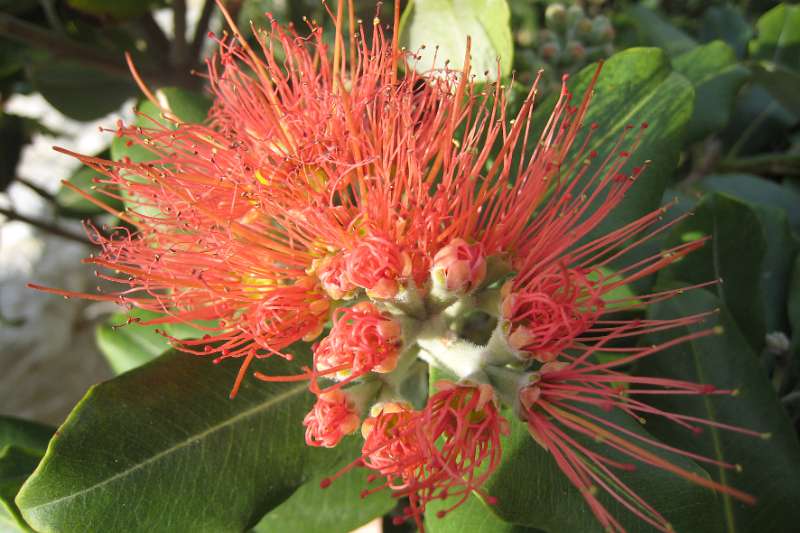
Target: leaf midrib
(166, 452)
(727, 503)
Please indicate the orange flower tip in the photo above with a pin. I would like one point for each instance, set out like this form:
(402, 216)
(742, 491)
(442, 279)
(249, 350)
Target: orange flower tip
(490, 500)
(325, 483)
(766, 436)
(719, 330)
(738, 468)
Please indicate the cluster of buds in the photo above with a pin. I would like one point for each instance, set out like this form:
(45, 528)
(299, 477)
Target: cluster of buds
(571, 38)
(405, 226)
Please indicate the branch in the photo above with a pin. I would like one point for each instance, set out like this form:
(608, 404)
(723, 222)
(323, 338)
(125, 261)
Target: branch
(179, 45)
(10, 214)
(37, 37)
(775, 164)
(155, 37)
(35, 188)
(201, 30)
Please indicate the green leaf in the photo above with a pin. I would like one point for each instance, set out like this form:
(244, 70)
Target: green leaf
(336, 509)
(25, 434)
(726, 22)
(755, 276)
(777, 50)
(730, 223)
(657, 31)
(472, 516)
(717, 78)
(70, 203)
(532, 491)
(126, 344)
(446, 24)
(16, 464)
(757, 191)
(118, 9)
(12, 131)
(727, 362)
(191, 107)
(78, 91)
(637, 86)
(781, 82)
(778, 37)
(166, 450)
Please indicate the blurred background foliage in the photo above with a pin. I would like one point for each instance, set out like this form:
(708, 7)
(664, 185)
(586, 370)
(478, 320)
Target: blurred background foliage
(738, 158)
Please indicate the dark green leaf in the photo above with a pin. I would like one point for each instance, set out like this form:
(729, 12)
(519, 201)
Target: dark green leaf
(70, 203)
(16, 464)
(726, 22)
(127, 346)
(730, 223)
(717, 78)
(472, 516)
(164, 447)
(657, 31)
(757, 191)
(727, 362)
(12, 132)
(635, 87)
(78, 91)
(532, 491)
(24, 434)
(781, 82)
(336, 509)
(119, 9)
(778, 37)
(448, 23)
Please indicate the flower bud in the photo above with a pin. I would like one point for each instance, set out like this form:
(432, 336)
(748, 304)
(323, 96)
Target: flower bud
(574, 15)
(458, 267)
(379, 266)
(333, 416)
(555, 17)
(574, 52)
(550, 52)
(361, 340)
(602, 30)
(333, 278)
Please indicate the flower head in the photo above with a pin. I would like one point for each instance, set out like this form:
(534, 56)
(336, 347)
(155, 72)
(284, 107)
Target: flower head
(333, 416)
(323, 182)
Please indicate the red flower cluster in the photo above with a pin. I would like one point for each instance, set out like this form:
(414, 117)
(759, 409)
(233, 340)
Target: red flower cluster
(405, 208)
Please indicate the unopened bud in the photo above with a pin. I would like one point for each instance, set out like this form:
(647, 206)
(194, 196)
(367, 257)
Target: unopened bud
(555, 17)
(574, 52)
(458, 267)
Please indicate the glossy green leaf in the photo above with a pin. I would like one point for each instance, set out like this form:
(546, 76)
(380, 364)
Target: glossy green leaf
(78, 91)
(16, 464)
(781, 82)
(70, 203)
(119, 9)
(167, 450)
(727, 362)
(25, 434)
(656, 30)
(128, 345)
(446, 24)
(189, 106)
(717, 78)
(336, 509)
(730, 223)
(532, 491)
(756, 191)
(472, 516)
(778, 37)
(726, 22)
(637, 86)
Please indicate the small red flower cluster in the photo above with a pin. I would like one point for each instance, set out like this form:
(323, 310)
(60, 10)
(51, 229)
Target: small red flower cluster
(417, 221)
